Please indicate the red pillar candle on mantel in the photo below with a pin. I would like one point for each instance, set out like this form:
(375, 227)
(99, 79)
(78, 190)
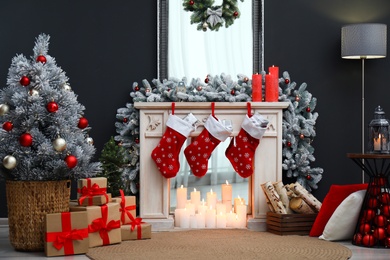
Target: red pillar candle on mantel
(256, 88)
(272, 84)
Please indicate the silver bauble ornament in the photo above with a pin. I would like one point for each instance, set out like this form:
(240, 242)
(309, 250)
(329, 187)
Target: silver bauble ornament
(4, 108)
(59, 144)
(205, 26)
(9, 162)
(65, 86)
(33, 92)
(90, 140)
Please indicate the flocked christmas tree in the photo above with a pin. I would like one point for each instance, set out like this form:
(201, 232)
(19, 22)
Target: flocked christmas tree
(299, 118)
(44, 133)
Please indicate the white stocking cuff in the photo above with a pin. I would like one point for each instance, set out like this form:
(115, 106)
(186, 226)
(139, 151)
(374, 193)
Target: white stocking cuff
(217, 129)
(179, 125)
(255, 130)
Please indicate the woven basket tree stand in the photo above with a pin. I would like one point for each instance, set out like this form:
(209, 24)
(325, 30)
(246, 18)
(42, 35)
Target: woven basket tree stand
(28, 203)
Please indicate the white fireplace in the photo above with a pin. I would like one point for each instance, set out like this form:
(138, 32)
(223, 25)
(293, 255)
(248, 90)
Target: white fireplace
(155, 189)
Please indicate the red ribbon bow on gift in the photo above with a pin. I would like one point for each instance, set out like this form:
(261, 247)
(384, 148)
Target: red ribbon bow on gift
(91, 190)
(101, 225)
(137, 223)
(66, 237)
(125, 210)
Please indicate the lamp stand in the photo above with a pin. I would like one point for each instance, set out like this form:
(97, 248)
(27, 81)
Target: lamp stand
(363, 58)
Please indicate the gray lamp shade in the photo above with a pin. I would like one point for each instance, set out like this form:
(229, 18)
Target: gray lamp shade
(366, 40)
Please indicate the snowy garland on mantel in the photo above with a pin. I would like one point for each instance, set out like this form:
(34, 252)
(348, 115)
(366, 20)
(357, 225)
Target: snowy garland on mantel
(298, 119)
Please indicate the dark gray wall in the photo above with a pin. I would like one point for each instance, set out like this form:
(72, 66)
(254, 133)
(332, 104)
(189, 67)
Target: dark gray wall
(103, 46)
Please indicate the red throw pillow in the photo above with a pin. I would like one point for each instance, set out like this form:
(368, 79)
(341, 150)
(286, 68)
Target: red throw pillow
(336, 195)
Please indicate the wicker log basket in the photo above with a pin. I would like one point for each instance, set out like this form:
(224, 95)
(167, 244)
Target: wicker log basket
(28, 203)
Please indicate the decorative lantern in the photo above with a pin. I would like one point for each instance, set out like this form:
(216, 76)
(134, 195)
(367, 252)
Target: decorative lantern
(378, 139)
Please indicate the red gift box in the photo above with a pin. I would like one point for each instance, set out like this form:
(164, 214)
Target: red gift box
(127, 207)
(137, 230)
(92, 191)
(66, 233)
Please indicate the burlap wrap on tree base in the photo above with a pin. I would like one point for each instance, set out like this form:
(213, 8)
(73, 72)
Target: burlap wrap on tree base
(28, 203)
(229, 244)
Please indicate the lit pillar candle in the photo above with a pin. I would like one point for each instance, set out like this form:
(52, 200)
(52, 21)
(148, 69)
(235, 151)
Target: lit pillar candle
(193, 221)
(211, 198)
(257, 88)
(202, 207)
(185, 218)
(195, 198)
(190, 207)
(241, 213)
(227, 196)
(181, 197)
(221, 220)
(272, 84)
(238, 201)
(230, 217)
(210, 218)
(200, 220)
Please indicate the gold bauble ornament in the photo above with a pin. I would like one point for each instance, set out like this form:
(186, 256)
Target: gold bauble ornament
(59, 144)
(4, 108)
(9, 162)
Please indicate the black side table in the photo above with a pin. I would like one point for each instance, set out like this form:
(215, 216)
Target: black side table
(373, 226)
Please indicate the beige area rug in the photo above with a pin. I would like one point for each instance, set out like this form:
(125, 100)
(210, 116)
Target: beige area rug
(222, 244)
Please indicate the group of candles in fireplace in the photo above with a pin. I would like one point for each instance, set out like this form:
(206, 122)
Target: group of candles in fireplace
(212, 213)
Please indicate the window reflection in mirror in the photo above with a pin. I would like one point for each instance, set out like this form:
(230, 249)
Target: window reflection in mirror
(219, 171)
(195, 54)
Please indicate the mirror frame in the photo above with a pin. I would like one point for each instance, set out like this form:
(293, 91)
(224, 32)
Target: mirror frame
(162, 37)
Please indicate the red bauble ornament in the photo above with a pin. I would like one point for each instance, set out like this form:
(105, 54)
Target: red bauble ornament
(385, 210)
(368, 240)
(235, 14)
(368, 214)
(41, 59)
(375, 190)
(24, 81)
(191, 2)
(380, 181)
(372, 203)
(387, 242)
(136, 88)
(7, 126)
(125, 120)
(26, 140)
(384, 197)
(308, 109)
(288, 144)
(286, 81)
(365, 228)
(83, 123)
(379, 233)
(206, 80)
(71, 161)
(388, 229)
(52, 107)
(380, 220)
(357, 238)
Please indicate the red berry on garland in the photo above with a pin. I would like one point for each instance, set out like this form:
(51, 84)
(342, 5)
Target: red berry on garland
(7, 126)
(199, 88)
(235, 14)
(206, 80)
(308, 177)
(125, 120)
(232, 92)
(24, 81)
(83, 123)
(136, 88)
(302, 136)
(25, 140)
(191, 2)
(246, 79)
(288, 144)
(286, 81)
(136, 140)
(308, 109)
(297, 98)
(52, 107)
(41, 59)
(71, 161)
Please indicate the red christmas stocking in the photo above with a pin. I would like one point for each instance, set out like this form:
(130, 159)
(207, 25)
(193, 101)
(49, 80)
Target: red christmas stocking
(199, 151)
(166, 153)
(241, 149)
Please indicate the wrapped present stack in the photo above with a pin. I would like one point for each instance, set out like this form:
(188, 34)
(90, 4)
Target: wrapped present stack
(95, 219)
(292, 208)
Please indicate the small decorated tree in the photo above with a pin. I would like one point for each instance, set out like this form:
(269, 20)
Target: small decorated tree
(44, 132)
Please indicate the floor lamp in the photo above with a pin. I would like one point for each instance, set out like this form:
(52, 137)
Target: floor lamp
(363, 41)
